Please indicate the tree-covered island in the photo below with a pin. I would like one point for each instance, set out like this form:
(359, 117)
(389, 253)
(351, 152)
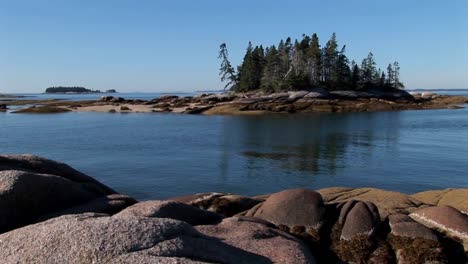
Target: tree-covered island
(304, 64)
(74, 89)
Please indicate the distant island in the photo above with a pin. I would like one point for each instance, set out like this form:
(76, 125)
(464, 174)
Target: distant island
(438, 90)
(74, 90)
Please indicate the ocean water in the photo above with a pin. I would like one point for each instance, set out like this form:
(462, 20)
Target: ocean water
(154, 156)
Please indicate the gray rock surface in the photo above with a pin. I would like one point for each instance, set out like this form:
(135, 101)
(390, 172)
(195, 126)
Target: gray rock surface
(173, 210)
(256, 237)
(110, 204)
(98, 238)
(25, 196)
(32, 163)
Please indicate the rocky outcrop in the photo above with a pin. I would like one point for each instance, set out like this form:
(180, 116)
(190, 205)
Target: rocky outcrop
(51, 213)
(230, 103)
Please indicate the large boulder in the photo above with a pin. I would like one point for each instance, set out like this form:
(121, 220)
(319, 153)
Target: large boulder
(173, 210)
(296, 207)
(94, 238)
(32, 163)
(387, 202)
(34, 188)
(456, 198)
(255, 236)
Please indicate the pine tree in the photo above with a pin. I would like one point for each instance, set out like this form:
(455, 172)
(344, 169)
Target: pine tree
(314, 60)
(368, 71)
(343, 72)
(226, 70)
(396, 76)
(330, 55)
(251, 68)
(355, 76)
(271, 79)
(382, 81)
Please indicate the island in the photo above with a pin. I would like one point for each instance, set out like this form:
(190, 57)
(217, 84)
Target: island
(297, 76)
(74, 90)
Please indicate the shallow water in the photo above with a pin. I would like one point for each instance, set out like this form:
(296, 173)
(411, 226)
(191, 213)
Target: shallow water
(151, 156)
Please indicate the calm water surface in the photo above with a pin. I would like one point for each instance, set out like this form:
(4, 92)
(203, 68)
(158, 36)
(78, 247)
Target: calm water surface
(151, 156)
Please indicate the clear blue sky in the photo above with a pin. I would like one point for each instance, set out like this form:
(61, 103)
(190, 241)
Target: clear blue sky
(172, 45)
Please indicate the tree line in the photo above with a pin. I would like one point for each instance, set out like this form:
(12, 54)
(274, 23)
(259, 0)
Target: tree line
(305, 64)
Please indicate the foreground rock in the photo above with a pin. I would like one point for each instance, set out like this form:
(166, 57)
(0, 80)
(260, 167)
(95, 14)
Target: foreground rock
(93, 238)
(51, 213)
(33, 188)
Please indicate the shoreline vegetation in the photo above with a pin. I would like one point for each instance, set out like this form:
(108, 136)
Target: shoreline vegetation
(330, 225)
(303, 64)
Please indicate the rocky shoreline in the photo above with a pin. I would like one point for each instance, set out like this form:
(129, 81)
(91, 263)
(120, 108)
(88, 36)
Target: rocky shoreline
(315, 100)
(52, 213)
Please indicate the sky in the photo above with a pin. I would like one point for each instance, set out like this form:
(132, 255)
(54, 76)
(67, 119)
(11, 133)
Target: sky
(156, 46)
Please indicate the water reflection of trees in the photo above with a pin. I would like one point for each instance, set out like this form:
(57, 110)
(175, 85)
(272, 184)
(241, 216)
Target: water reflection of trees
(318, 144)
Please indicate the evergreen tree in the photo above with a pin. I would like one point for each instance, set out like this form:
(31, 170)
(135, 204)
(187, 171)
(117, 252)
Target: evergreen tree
(368, 71)
(396, 76)
(226, 70)
(355, 76)
(343, 72)
(305, 64)
(390, 78)
(271, 79)
(252, 68)
(330, 55)
(314, 60)
(382, 81)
